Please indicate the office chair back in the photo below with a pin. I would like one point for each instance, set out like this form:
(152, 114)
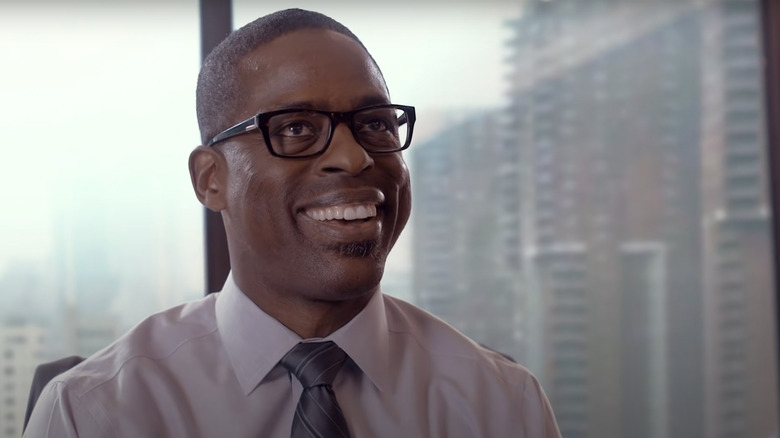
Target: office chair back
(43, 375)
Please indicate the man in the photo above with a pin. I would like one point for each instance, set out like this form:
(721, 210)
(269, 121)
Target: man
(302, 158)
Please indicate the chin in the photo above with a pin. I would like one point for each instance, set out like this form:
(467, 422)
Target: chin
(368, 249)
(357, 270)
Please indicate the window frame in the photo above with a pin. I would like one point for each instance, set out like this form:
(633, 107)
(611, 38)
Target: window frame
(216, 22)
(770, 20)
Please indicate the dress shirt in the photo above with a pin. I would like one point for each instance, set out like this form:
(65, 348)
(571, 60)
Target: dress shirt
(210, 368)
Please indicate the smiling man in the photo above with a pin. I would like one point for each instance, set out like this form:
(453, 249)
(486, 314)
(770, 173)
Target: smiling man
(302, 157)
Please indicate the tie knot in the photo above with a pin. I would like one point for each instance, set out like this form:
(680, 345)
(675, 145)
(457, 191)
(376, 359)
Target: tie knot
(314, 363)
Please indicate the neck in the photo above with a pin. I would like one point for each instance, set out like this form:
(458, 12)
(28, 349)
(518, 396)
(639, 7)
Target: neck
(317, 319)
(308, 317)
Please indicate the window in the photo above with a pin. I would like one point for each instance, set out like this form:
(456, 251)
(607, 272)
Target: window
(621, 147)
(100, 110)
(620, 129)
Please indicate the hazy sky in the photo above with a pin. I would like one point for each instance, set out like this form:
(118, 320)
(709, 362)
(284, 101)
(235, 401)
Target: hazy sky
(98, 100)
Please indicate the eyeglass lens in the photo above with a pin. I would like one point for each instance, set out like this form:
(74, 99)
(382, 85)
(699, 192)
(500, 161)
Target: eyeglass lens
(306, 132)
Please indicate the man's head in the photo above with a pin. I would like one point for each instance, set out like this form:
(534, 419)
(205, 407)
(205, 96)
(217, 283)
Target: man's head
(275, 209)
(218, 88)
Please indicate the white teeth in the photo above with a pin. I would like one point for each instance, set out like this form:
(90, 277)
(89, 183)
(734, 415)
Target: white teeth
(342, 212)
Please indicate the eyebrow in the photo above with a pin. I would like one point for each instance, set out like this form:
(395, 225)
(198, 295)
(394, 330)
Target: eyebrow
(322, 106)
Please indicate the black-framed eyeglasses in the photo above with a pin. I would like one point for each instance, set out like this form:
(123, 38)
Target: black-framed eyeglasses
(300, 133)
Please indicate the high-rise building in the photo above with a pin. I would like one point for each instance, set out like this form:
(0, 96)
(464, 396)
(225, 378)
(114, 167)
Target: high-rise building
(21, 350)
(458, 272)
(740, 368)
(620, 204)
(604, 149)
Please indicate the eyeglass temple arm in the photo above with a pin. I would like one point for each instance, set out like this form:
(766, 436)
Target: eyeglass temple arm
(245, 126)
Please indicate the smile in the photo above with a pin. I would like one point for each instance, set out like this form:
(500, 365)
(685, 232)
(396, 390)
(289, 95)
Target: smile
(349, 212)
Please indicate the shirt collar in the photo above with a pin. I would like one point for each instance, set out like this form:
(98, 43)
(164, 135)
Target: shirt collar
(365, 339)
(255, 341)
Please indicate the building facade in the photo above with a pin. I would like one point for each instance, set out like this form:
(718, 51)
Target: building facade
(740, 371)
(22, 348)
(458, 273)
(618, 207)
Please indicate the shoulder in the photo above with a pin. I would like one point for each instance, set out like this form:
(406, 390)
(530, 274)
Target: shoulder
(447, 349)
(126, 375)
(154, 340)
(451, 373)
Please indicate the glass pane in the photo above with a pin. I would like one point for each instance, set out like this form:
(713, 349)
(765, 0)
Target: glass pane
(100, 227)
(590, 197)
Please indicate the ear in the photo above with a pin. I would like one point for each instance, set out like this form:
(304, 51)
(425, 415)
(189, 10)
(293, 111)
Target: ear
(208, 173)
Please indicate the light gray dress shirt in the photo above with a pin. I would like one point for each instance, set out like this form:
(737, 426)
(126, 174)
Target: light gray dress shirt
(210, 368)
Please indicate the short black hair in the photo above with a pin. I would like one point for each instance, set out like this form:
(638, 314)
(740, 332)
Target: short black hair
(218, 87)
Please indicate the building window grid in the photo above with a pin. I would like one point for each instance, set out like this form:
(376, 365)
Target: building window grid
(732, 393)
(743, 116)
(733, 412)
(740, 153)
(742, 139)
(740, 182)
(731, 354)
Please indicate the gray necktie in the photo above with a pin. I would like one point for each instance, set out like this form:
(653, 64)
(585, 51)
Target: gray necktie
(318, 414)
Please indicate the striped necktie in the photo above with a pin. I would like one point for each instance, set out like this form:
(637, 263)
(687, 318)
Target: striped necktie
(318, 414)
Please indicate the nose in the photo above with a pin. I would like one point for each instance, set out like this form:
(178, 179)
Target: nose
(344, 155)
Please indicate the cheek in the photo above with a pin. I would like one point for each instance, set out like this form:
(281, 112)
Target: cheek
(404, 206)
(400, 175)
(404, 191)
(266, 201)
(405, 201)
(251, 190)
(395, 170)
(240, 175)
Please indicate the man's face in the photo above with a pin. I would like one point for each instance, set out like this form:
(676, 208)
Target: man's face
(274, 205)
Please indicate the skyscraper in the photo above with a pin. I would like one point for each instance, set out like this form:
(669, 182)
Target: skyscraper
(740, 369)
(458, 273)
(606, 108)
(620, 204)
(626, 212)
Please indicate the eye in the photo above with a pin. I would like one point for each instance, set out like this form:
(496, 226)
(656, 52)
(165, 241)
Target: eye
(374, 121)
(295, 129)
(375, 125)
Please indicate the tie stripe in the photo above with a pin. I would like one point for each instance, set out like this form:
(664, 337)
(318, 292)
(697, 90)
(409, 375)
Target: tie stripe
(311, 422)
(318, 414)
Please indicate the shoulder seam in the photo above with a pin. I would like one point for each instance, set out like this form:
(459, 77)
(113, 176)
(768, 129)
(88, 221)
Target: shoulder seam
(140, 356)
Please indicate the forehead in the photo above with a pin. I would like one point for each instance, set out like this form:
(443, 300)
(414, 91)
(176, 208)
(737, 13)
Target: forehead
(309, 68)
